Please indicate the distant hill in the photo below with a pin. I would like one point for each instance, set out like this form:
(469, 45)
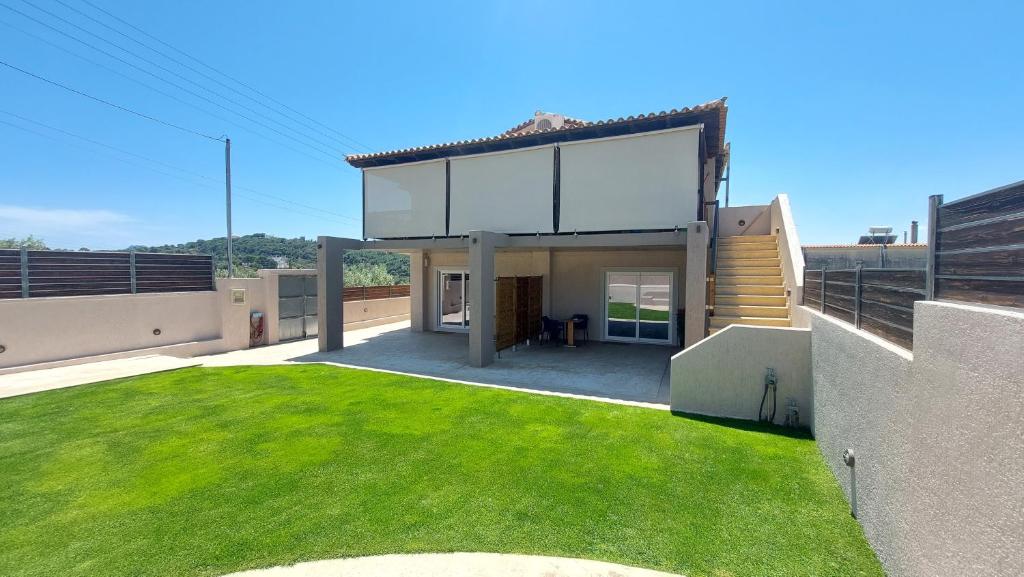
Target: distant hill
(256, 251)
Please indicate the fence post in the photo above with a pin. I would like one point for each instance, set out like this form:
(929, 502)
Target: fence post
(934, 201)
(24, 272)
(856, 297)
(131, 269)
(823, 268)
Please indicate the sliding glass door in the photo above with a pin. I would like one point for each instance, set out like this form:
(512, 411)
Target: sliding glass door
(452, 300)
(639, 306)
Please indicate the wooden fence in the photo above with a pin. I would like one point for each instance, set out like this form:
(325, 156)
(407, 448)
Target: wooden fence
(976, 247)
(369, 293)
(880, 301)
(50, 273)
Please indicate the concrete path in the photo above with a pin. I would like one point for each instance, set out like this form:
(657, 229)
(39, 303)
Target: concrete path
(74, 375)
(609, 372)
(454, 565)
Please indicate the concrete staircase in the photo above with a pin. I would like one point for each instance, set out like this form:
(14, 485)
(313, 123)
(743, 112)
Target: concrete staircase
(749, 288)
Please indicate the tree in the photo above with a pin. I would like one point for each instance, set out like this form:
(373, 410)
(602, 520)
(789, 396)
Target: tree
(30, 242)
(368, 275)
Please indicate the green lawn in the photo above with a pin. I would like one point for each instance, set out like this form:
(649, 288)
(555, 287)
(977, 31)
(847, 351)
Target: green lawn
(207, 471)
(627, 311)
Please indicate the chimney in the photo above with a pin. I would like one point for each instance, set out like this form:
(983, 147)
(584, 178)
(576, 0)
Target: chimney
(913, 231)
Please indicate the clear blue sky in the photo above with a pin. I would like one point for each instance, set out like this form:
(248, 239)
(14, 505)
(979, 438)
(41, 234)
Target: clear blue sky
(859, 111)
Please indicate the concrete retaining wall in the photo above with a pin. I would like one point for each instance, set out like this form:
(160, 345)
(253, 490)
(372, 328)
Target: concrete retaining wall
(937, 437)
(723, 375)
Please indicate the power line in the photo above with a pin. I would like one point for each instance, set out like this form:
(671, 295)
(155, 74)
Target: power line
(327, 153)
(224, 74)
(173, 167)
(108, 103)
(169, 71)
(168, 174)
(169, 95)
(201, 73)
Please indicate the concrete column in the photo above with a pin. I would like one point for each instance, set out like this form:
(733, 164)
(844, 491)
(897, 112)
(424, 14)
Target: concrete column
(419, 290)
(696, 281)
(330, 280)
(481, 297)
(542, 260)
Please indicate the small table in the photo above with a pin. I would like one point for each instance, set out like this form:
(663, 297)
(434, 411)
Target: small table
(570, 340)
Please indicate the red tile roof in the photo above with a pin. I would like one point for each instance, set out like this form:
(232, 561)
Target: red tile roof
(716, 143)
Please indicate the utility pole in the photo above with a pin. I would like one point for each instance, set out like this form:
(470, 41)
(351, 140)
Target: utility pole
(227, 184)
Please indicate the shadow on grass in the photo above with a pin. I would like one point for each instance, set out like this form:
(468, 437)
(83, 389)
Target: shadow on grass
(745, 425)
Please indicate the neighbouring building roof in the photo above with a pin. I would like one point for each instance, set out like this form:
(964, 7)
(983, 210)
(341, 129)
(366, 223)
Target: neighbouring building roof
(560, 121)
(711, 114)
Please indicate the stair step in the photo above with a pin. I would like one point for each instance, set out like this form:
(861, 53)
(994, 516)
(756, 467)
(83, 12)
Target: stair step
(773, 280)
(747, 238)
(749, 271)
(749, 300)
(724, 253)
(722, 321)
(734, 261)
(752, 311)
(742, 289)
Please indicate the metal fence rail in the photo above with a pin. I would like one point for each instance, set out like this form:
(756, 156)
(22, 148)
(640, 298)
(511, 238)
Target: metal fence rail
(880, 301)
(50, 273)
(368, 293)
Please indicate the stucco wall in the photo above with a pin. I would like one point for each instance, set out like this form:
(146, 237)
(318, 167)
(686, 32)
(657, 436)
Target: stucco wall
(369, 313)
(573, 278)
(39, 330)
(724, 375)
(937, 436)
(756, 220)
(577, 280)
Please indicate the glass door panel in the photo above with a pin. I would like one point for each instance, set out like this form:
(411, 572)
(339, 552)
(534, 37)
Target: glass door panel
(465, 299)
(622, 291)
(655, 306)
(452, 295)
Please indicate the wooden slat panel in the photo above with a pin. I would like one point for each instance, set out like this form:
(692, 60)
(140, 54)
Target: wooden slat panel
(842, 301)
(894, 278)
(1005, 201)
(839, 313)
(845, 276)
(812, 286)
(78, 292)
(832, 288)
(504, 313)
(354, 293)
(896, 335)
(1006, 262)
(78, 273)
(171, 256)
(80, 266)
(173, 274)
(812, 302)
(377, 292)
(402, 290)
(892, 296)
(49, 261)
(994, 292)
(899, 316)
(1000, 233)
(812, 274)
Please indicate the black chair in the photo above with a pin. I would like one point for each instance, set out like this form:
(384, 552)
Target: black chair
(581, 326)
(551, 328)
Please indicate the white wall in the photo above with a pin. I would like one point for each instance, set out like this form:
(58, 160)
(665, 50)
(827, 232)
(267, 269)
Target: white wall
(783, 227)
(938, 437)
(407, 200)
(503, 192)
(37, 330)
(756, 220)
(724, 375)
(637, 182)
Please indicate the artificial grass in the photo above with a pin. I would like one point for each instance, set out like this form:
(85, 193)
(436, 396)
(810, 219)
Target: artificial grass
(208, 471)
(627, 312)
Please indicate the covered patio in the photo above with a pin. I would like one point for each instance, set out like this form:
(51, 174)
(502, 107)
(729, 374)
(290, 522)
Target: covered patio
(625, 372)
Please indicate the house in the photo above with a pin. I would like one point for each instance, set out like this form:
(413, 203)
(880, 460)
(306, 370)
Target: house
(617, 220)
